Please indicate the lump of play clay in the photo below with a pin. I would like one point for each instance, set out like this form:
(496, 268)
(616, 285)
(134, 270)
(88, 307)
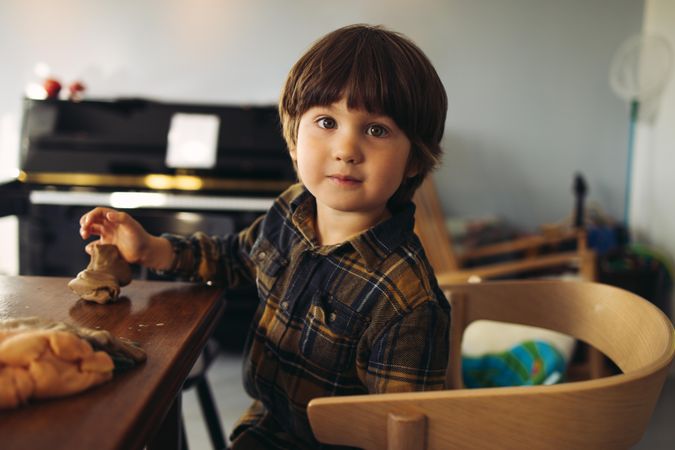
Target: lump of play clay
(41, 358)
(118, 348)
(107, 271)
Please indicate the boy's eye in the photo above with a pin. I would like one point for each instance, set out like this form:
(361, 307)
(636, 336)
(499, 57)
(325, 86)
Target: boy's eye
(326, 122)
(377, 131)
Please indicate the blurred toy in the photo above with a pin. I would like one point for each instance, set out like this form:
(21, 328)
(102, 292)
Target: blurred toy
(52, 88)
(76, 91)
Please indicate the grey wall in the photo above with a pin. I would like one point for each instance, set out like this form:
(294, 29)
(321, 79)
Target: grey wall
(527, 80)
(532, 105)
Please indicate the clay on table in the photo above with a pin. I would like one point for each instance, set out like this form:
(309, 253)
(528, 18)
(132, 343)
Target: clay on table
(107, 271)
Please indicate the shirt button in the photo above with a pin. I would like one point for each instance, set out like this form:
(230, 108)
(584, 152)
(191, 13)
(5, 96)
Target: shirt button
(332, 317)
(284, 305)
(262, 255)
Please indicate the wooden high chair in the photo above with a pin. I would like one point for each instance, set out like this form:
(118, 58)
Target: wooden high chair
(606, 413)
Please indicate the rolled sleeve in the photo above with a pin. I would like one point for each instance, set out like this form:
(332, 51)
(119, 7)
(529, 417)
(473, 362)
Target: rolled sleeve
(224, 260)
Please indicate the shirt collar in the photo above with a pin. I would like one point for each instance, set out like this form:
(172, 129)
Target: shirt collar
(373, 245)
(379, 241)
(302, 216)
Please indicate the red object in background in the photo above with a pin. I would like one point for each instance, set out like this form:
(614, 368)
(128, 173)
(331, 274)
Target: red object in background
(76, 90)
(52, 88)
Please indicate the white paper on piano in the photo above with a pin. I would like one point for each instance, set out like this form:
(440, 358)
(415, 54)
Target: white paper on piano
(192, 141)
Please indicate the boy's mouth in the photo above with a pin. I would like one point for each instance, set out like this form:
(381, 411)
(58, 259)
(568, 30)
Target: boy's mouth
(344, 179)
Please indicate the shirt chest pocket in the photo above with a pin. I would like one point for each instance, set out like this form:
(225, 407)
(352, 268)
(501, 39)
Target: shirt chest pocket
(269, 264)
(331, 333)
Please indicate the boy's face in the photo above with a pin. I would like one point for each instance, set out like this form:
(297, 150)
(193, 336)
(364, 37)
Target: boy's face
(351, 160)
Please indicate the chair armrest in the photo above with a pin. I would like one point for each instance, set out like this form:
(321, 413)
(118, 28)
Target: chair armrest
(527, 243)
(511, 267)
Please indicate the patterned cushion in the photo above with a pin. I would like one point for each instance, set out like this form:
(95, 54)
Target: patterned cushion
(528, 363)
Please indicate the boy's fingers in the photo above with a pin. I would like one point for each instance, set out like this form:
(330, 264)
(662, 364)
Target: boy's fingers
(114, 216)
(117, 217)
(85, 219)
(94, 228)
(97, 213)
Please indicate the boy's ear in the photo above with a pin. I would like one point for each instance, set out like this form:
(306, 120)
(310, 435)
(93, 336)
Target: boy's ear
(292, 152)
(412, 169)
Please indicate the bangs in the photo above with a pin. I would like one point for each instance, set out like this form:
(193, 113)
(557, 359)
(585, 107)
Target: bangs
(368, 71)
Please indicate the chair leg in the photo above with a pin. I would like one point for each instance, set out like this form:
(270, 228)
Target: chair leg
(210, 413)
(183, 434)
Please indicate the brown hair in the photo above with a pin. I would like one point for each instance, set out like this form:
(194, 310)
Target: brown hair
(382, 72)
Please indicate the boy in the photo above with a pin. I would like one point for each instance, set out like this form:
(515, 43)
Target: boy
(348, 303)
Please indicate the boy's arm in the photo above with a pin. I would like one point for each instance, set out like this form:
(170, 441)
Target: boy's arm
(159, 254)
(411, 354)
(223, 260)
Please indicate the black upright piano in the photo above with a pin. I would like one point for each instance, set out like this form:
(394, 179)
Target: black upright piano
(77, 155)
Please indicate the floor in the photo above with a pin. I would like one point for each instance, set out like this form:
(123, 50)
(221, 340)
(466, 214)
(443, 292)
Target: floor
(225, 379)
(660, 434)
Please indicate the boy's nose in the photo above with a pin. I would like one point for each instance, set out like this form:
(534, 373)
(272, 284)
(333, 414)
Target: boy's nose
(348, 149)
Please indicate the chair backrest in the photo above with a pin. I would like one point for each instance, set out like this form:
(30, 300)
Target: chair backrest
(606, 413)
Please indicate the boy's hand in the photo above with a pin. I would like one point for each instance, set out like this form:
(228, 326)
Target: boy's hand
(134, 243)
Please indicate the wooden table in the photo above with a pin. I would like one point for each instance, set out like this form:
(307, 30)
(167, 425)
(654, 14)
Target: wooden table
(171, 321)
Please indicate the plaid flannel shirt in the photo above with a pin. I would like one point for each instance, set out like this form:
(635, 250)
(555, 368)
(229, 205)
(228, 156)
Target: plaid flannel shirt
(363, 316)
